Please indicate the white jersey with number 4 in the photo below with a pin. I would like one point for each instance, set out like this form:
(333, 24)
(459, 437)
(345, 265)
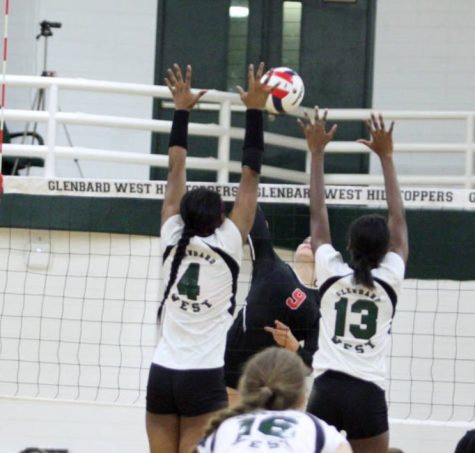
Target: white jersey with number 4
(287, 431)
(355, 321)
(199, 307)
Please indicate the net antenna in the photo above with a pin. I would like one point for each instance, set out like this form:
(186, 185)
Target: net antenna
(4, 72)
(39, 101)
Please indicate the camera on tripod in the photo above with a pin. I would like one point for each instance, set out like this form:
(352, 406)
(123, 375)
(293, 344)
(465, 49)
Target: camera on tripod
(46, 27)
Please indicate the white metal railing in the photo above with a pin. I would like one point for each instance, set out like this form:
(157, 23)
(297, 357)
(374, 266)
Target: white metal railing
(226, 103)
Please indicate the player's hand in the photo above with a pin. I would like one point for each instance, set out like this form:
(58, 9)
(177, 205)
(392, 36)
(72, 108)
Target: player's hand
(315, 132)
(180, 88)
(283, 336)
(257, 92)
(381, 139)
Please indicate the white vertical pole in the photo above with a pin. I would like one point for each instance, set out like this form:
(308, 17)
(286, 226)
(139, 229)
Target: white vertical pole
(469, 152)
(224, 141)
(52, 108)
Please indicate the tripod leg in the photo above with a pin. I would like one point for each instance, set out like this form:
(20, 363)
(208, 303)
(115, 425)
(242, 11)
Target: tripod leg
(70, 142)
(36, 104)
(40, 106)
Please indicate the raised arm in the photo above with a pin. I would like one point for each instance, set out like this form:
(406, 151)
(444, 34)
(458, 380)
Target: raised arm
(254, 99)
(317, 139)
(260, 238)
(184, 101)
(382, 145)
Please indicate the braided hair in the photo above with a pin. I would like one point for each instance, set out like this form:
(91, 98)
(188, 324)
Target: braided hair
(368, 243)
(273, 379)
(201, 211)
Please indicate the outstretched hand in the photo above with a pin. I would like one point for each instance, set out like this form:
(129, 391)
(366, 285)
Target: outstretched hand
(283, 336)
(180, 88)
(257, 92)
(381, 139)
(315, 131)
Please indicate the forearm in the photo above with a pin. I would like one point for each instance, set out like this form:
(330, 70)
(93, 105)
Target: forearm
(253, 147)
(176, 179)
(319, 224)
(177, 150)
(306, 356)
(391, 184)
(244, 208)
(396, 213)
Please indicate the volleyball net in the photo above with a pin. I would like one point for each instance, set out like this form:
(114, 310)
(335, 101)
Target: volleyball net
(80, 283)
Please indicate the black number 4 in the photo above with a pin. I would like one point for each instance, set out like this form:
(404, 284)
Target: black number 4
(188, 284)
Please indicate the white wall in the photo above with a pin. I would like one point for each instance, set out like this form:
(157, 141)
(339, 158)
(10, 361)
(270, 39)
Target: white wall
(424, 61)
(106, 40)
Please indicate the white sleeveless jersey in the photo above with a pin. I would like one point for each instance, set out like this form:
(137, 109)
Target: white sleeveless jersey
(355, 321)
(287, 431)
(199, 307)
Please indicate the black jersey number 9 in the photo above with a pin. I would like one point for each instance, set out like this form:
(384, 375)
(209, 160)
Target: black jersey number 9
(369, 315)
(188, 284)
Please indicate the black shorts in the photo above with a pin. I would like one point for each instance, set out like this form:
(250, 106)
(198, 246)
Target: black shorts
(235, 355)
(240, 347)
(351, 404)
(185, 392)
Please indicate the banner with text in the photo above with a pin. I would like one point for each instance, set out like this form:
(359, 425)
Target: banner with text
(370, 196)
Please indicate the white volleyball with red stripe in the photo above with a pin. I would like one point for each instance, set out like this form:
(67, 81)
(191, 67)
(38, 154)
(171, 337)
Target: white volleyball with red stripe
(289, 93)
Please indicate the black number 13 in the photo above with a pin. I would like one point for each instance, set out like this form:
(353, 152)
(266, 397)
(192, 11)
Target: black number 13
(369, 315)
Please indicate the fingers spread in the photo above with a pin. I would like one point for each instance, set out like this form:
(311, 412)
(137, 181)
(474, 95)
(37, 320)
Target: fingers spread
(381, 121)
(178, 75)
(374, 121)
(188, 75)
(391, 127)
(301, 124)
(240, 90)
(368, 126)
(268, 76)
(260, 70)
(364, 142)
(250, 74)
(325, 114)
(317, 113)
(171, 76)
(333, 131)
(168, 84)
(202, 93)
(269, 88)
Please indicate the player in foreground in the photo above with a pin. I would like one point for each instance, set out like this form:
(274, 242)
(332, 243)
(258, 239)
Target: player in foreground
(269, 417)
(358, 299)
(202, 251)
(282, 306)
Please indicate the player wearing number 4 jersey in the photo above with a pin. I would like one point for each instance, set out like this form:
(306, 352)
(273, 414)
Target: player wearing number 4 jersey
(201, 257)
(269, 417)
(358, 300)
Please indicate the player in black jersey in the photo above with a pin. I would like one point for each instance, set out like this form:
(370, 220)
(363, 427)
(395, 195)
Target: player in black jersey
(279, 296)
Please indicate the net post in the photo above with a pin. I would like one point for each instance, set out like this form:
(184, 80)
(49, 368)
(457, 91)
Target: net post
(469, 152)
(50, 163)
(224, 141)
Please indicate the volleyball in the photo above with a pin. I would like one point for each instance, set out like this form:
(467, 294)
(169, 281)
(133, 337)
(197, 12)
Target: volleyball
(288, 95)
